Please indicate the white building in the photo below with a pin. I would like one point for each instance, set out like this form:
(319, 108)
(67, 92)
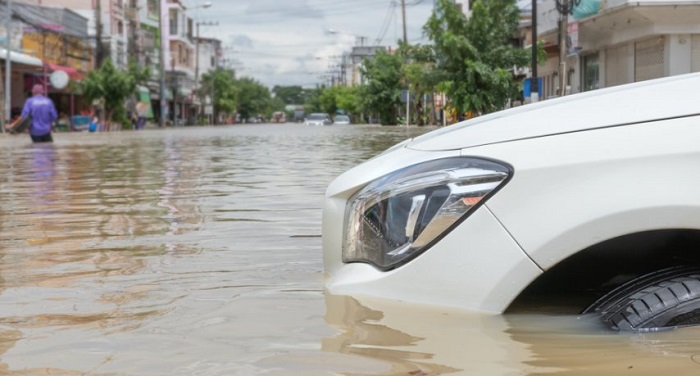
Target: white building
(621, 41)
(178, 58)
(209, 59)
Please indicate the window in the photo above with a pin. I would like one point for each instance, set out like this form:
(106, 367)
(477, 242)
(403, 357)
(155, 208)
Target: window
(152, 8)
(173, 22)
(149, 39)
(591, 72)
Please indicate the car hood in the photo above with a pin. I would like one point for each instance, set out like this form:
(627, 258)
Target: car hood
(623, 105)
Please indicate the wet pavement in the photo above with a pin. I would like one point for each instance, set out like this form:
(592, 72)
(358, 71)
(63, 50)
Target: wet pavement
(197, 251)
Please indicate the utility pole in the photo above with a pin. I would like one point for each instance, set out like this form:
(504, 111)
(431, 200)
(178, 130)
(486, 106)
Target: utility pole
(174, 83)
(563, 23)
(8, 66)
(343, 77)
(99, 48)
(534, 83)
(565, 7)
(161, 62)
(403, 12)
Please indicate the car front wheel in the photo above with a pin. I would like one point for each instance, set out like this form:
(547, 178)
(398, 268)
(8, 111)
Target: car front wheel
(666, 299)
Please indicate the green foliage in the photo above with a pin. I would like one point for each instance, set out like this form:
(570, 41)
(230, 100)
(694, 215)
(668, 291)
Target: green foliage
(253, 97)
(348, 99)
(419, 76)
(140, 74)
(329, 102)
(111, 87)
(331, 99)
(382, 93)
(312, 102)
(221, 84)
(275, 104)
(290, 94)
(474, 55)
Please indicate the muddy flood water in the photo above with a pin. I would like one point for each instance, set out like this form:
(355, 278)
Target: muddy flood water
(197, 251)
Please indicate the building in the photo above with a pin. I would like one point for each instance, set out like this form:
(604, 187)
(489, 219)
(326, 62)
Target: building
(179, 59)
(616, 42)
(354, 61)
(144, 47)
(44, 40)
(108, 15)
(209, 58)
(153, 33)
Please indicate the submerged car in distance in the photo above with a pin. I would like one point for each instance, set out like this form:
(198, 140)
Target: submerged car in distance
(318, 119)
(341, 120)
(586, 204)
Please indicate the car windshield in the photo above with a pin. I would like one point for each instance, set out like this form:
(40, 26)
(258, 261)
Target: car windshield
(342, 118)
(317, 116)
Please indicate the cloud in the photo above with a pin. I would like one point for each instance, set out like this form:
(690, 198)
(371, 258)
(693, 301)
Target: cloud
(287, 9)
(280, 42)
(242, 41)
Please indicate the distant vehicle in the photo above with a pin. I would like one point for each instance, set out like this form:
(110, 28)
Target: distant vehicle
(341, 120)
(318, 119)
(299, 116)
(278, 117)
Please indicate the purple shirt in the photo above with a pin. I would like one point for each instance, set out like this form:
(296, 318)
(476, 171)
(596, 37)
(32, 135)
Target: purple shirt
(43, 114)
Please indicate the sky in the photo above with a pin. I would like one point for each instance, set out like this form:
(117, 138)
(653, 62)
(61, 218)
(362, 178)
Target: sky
(290, 42)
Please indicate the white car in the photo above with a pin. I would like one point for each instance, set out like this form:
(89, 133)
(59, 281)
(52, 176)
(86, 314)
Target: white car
(341, 120)
(584, 204)
(318, 119)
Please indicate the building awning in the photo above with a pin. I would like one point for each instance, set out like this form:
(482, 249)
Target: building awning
(20, 58)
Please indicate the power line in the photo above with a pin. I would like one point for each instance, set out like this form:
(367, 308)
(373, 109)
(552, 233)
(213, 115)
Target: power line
(386, 23)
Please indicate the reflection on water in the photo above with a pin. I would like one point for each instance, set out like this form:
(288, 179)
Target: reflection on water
(420, 341)
(197, 251)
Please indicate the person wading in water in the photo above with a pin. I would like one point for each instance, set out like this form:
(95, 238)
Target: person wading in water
(42, 112)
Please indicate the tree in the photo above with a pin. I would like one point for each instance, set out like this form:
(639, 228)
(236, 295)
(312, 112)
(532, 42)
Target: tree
(348, 99)
(111, 87)
(419, 76)
(253, 97)
(382, 93)
(337, 98)
(290, 94)
(221, 84)
(474, 55)
(312, 102)
(328, 100)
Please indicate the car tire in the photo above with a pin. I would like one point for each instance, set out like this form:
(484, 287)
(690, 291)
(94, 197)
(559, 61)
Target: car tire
(666, 299)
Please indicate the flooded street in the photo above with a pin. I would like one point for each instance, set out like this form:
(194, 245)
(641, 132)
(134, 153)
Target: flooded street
(197, 251)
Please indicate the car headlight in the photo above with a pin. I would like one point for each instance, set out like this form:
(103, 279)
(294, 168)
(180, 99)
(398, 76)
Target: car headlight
(399, 216)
